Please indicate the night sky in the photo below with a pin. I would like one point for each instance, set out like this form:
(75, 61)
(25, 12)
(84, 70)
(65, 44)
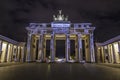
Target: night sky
(15, 15)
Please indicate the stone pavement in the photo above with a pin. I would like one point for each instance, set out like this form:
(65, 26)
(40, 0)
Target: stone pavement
(59, 71)
(110, 65)
(102, 64)
(9, 64)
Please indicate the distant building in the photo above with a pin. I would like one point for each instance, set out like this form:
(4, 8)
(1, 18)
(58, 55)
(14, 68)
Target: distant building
(108, 51)
(11, 51)
(60, 29)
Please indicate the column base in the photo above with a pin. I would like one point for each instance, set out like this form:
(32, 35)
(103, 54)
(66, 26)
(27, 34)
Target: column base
(52, 61)
(28, 61)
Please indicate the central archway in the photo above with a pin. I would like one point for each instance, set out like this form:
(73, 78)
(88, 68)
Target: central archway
(60, 49)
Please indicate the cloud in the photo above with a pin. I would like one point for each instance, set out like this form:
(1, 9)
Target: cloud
(16, 14)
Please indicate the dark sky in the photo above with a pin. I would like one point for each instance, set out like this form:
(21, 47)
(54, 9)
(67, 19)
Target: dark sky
(15, 15)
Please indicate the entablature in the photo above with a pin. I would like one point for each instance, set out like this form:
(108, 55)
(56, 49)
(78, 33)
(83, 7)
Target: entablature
(57, 27)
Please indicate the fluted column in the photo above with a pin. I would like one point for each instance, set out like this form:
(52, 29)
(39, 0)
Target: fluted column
(80, 48)
(114, 56)
(104, 53)
(92, 53)
(44, 48)
(0, 49)
(18, 53)
(23, 52)
(76, 48)
(12, 56)
(6, 54)
(103, 56)
(67, 47)
(119, 46)
(1, 42)
(28, 56)
(11, 52)
(52, 47)
(109, 54)
(40, 52)
(1, 46)
(119, 51)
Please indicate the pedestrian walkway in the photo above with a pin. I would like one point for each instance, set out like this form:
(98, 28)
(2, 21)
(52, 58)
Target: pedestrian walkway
(110, 65)
(9, 64)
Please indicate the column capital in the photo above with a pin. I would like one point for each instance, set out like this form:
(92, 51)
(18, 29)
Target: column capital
(91, 34)
(29, 34)
(80, 35)
(67, 34)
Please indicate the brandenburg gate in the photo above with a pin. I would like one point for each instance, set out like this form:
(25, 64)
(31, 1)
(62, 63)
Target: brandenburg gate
(60, 29)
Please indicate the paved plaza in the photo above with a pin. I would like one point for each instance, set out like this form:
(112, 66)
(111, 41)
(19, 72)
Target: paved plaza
(59, 71)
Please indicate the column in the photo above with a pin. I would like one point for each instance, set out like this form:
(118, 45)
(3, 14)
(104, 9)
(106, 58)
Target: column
(98, 54)
(119, 46)
(11, 52)
(67, 47)
(40, 52)
(52, 47)
(76, 48)
(44, 49)
(33, 52)
(0, 47)
(119, 50)
(104, 53)
(87, 49)
(109, 54)
(28, 55)
(79, 47)
(113, 49)
(110, 57)
(92, 53)
(6, 53)
(23, 52)
(15, 52)
(18, 53)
